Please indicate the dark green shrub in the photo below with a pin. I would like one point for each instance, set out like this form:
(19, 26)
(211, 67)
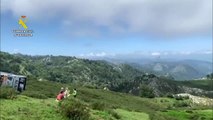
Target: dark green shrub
(181, 104)
(169, 107)
(115, 106)
(170, 96)
(114, 114)
(160, 116)
(98, 106)
(194, 117)
(178, 98)
(164, 110)
(89, 86)
(7, 93)
(74, 109)
(146, 91)
(189, 111)
(35, 94)
(203, 118)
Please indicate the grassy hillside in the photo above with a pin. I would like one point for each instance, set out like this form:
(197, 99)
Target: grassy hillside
(130, 107)
(191, 114)
(101, 105)
(26, 108)
(130, 115)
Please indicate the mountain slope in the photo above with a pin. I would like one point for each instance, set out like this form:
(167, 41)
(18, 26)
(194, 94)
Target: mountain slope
(180, 70)
(68, 69)
(95, 73)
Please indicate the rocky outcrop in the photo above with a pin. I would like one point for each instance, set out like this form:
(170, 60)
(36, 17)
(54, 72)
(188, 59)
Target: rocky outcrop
(198, 100)
(197, 92)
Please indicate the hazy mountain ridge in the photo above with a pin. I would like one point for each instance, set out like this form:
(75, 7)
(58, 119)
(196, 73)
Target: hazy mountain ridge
(180, 70)
(92, 73)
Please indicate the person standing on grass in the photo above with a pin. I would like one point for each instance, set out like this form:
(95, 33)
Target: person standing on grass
(66, 92)
(74, 92)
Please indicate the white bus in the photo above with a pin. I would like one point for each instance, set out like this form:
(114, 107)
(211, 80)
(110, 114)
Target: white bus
(18, 82)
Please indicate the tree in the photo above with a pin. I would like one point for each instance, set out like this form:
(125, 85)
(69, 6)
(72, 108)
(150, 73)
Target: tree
(146, 91)
(209, 76)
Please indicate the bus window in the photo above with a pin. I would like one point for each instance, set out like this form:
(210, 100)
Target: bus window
(10, 78)
(1, 80)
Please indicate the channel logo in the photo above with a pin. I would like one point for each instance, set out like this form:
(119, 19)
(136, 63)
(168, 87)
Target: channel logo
(23, 30)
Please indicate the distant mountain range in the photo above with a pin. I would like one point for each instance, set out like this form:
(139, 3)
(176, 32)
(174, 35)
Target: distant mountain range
(179, 70)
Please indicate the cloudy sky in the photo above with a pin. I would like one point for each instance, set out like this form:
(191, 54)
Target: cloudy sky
(110, 28)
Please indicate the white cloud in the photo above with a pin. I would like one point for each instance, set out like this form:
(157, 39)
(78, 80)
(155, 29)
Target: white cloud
(206, 55)
(92, 54)
(101, 54)
(185, 53)
(167, 18)
(155, 53)
(15, 51)
(167, 53)
(206, 52)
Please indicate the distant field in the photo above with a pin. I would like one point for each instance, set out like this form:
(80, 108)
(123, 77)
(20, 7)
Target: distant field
(191, 114)
(202, 84)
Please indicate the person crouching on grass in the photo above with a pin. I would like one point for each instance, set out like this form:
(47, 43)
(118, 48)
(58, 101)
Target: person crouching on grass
(61, 95)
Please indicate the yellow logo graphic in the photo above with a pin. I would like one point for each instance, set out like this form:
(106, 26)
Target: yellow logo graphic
(25, 32)
(22, 22)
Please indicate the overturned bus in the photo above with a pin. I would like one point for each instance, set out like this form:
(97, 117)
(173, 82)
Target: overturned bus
(17, 82)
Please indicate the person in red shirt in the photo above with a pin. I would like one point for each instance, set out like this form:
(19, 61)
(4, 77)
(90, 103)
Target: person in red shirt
(60, 96)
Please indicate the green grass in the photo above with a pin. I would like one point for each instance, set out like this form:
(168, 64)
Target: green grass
(101, 115)
(125, 106)
(191, 114)
(26, 108)
(131, 115)
(119, 100)
(47, 89)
